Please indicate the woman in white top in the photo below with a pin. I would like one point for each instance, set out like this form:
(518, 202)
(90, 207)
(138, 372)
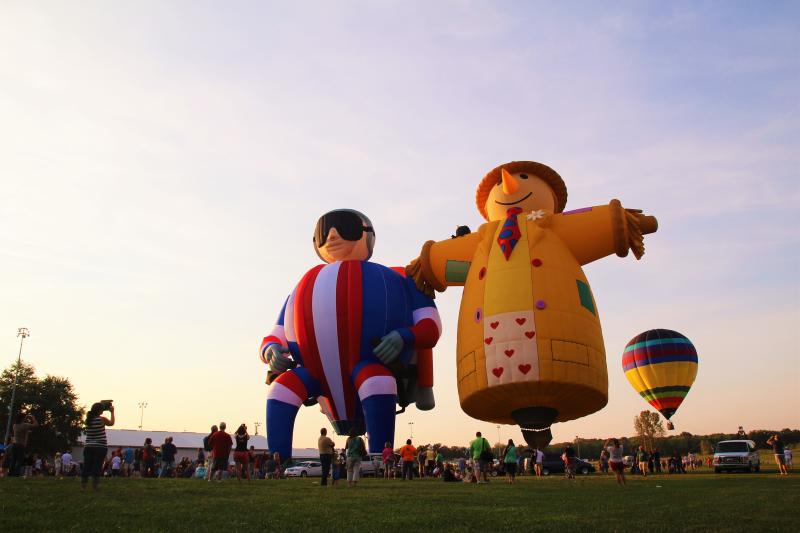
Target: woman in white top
(614, 449)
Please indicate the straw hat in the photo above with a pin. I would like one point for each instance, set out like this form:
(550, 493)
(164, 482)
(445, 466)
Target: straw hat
(539, 170)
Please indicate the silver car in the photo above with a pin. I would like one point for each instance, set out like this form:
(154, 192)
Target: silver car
(305, 469)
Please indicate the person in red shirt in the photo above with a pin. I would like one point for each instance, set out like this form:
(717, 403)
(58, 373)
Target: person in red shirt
(408, 453)
(221, 444)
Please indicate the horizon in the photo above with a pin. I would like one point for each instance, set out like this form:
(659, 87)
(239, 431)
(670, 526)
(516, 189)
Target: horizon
(163, 165)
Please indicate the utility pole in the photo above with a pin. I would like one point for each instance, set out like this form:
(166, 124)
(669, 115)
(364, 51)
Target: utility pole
(498, 440)
(578, 444)
(411, 426)
(23, 333)
(257, 425)
(142, 406)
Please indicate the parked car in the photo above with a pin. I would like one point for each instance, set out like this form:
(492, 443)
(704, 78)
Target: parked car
(736, 455)
(553, 464)
(371, 466)
(305, 469)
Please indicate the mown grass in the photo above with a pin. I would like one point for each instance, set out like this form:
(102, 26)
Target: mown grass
(692, 502)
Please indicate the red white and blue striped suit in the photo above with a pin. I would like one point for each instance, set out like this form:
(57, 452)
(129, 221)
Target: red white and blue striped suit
(330, 323)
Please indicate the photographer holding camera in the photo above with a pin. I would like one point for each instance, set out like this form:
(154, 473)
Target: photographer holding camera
(96, 446)
(22, 428)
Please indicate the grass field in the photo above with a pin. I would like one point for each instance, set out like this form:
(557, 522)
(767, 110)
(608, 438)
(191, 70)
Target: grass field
(692, 502)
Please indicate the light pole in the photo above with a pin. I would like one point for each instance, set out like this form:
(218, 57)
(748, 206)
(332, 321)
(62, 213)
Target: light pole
(23, 333)
(142, 406)
(411, 429)
(256, 424)
(578, 444)
(498, 440)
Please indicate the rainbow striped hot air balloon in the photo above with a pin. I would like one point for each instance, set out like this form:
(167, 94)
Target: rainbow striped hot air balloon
(661, 365)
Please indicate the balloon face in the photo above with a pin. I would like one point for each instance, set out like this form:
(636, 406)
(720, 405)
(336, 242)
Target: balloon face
(661, 365)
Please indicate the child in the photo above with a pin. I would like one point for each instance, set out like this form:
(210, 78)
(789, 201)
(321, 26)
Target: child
(336, 468)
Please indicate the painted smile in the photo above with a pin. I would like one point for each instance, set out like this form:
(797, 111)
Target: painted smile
(512, 203)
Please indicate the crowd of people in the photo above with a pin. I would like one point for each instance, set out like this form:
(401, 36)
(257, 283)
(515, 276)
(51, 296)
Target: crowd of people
(227, 455)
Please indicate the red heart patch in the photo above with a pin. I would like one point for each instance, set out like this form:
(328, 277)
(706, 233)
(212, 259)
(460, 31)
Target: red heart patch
(509, 353)
(524, 368)
(494, 325)
(521, 321)
(488, 340)
(530, 334)
(498, 371)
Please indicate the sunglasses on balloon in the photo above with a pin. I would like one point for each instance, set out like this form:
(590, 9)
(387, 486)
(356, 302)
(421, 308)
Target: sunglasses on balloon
(348, 225)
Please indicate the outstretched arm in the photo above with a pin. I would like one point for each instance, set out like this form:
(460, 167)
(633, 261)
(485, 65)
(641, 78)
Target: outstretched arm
(444, 263)
(595, 232)
(274, 347)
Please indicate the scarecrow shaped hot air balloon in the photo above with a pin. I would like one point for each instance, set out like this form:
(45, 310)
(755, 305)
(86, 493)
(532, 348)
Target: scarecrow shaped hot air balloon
(530, 349)
(661, 365)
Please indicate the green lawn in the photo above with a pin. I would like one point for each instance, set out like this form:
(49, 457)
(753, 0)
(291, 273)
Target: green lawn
(699, 502)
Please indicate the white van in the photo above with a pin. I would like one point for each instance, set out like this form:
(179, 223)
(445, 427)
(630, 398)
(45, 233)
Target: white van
(736, 455)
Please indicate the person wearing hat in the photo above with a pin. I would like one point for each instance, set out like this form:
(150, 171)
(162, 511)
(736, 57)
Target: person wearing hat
(340, 333)
(529, 346)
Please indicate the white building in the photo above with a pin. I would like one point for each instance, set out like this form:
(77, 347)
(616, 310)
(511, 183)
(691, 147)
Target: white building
(187, 443)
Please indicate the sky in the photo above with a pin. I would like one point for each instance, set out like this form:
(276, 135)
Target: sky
(163, 163)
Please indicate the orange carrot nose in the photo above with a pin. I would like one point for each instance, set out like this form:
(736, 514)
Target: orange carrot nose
(510, 183)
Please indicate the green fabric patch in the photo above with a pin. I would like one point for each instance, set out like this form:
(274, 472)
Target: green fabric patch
(586, 296)
(456, 271)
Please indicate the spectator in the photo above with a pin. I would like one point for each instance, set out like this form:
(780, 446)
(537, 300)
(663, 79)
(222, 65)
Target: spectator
(129, 458)
(462, 466)
(430, 461)
(510, 460)
(201, 456)
(337, 468)
(168, 452)
(22, 429)
(439, 459)
(148, 458)
(96, 445)
(355, 451)
(388, 461)
(470, 476)
(568, 456)
(421, 462)
(240, 455)
(604, 461)
(57, 465)
(407, 455)
(270, 466)
(221, 444)
(642, 457)
(327, 448)
(780, 454)
(116, 465)
(209, 452)
(656, 457)
(449, 474)
(537, 466)
(787, 457)
(481, 457)
(251, 459)
(614, 449)
(278, 470)
(66, 462)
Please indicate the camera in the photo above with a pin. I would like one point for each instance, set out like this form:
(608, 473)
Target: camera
(106, 404)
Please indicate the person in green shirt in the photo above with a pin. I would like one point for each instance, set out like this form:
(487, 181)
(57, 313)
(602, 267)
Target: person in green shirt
(510, 462)
(642, 458)
(480, 466)
(355, 451)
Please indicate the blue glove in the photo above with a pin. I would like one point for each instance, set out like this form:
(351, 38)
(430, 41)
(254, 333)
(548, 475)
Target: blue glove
(277, 359)
(389, 348)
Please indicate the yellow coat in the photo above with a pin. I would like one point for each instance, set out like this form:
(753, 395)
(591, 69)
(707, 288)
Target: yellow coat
(528, 330)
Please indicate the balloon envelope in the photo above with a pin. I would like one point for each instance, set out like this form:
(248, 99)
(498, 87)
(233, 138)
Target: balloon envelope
(661, 365)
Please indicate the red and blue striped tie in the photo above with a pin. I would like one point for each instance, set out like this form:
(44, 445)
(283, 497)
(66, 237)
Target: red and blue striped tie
(509, 235)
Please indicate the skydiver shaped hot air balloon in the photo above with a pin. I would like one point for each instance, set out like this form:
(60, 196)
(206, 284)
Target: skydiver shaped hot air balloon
(340, 334)
(529, 348)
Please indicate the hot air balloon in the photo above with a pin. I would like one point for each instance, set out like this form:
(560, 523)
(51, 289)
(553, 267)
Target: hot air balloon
(661, 365)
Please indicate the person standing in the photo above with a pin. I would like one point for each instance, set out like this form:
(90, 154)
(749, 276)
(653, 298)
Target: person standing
(21, 430)
(387, 455)
(221, 444)
(209, 451)
(642, 458)
(538, 463)
(168, 452)
(430, 461)
(327, 448)
(96, 445)
(407, 454)
(240, 455)
(116, 464)
(614, 449)
(128, 456)
(481, 457)
(569, 461)
(788, 458)
(780, 456)
(656, 458)
(66, 463)
(510, 461)
(355, 451)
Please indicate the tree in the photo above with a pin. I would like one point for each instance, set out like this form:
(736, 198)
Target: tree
(51, 400)
(648, 427)
(706, 448)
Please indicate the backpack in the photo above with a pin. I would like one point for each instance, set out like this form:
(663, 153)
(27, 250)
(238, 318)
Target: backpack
(486, 452)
